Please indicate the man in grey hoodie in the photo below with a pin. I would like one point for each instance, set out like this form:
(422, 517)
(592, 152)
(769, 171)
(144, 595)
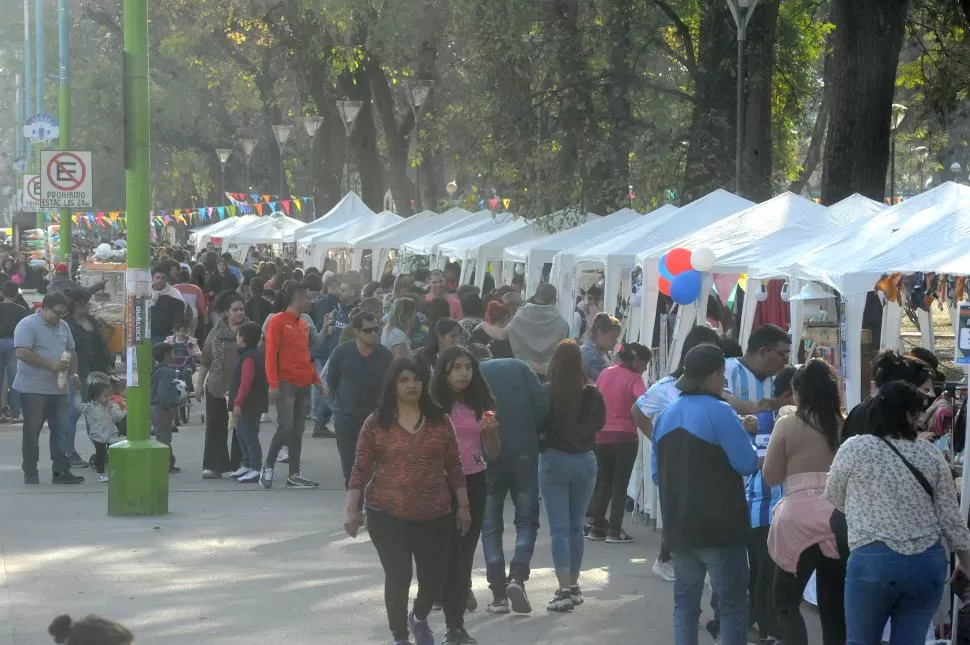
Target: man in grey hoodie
(535, 330)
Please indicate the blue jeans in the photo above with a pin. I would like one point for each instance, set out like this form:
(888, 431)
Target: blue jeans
(518, 477)
(37, 409)
(71, 420)
(247, 432)
(728, 567)
(883, 585)
(8, 363)
(567, 482)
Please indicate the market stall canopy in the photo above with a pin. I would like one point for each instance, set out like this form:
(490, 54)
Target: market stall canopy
(348, 210)
(620, 246)
(201, 236)
(787, 221)
(346, 235)
(932, 239)
(428, 244)
(852, 249)
(411, 228)
(272, 229)
(853, 210)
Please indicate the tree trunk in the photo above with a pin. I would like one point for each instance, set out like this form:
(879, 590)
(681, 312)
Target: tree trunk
(396, 139)
(865, 52)
(711, 140)
(759, 65)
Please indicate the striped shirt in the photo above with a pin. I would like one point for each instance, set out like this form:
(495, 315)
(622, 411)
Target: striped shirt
(742, 384)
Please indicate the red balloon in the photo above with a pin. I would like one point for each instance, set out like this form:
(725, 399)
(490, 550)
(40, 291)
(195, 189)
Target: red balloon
(664, 285)
(678, 261)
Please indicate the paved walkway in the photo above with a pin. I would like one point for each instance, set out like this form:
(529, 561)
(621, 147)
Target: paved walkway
(234, 564)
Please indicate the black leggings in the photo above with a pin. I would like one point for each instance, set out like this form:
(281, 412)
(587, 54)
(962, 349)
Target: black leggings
(762, 567)
(219, 455)
(398, 541)
(830, 586)
(100, 456)
(614, 465)
(458, 579)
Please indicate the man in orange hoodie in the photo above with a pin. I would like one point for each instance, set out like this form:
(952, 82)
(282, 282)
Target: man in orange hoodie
(290, 375)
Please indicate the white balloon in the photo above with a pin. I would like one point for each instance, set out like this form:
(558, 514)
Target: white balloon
(518, 269)
(702, 259)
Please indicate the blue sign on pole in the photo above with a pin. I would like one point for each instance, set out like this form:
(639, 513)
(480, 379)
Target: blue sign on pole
(41, 128)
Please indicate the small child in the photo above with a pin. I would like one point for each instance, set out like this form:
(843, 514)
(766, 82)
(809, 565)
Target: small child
(100, 414)
(164, 399)
(185, 348)
(119, 397)
(249, 396)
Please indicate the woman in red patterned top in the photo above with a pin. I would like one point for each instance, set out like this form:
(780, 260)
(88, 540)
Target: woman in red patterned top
(460, 388)
(409, 462)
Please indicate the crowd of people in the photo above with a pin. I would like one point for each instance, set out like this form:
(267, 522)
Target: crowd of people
(444, 400)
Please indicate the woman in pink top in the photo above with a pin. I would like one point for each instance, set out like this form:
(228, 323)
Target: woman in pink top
(801, 542)
(617, 443)
(459, 387)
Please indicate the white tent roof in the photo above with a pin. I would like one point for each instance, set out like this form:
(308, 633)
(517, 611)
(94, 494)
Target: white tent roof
(544, 249)
(690, 218)
(428, 244)
(204, 234)
(852, 211)
(621, 245)
(413, 227)
(783, 222)
(271, 229)
(928, 232)
(347, 211)
(344, 236)
(490, 243)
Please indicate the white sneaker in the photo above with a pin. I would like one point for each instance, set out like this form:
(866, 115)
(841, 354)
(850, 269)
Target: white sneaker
(284, 455)
(239, 472)
(102, 478)
(250, 478)
(665, 570)
(266, 478)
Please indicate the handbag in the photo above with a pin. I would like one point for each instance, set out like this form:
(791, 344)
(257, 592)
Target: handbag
(920, 477)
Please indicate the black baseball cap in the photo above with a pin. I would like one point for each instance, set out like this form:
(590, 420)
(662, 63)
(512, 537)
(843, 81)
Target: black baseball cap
(699, 363)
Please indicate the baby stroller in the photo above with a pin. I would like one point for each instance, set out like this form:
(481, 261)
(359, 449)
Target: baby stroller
(184, 370)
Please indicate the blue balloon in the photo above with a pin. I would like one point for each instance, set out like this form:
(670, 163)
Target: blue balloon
(664, 271)
(685, 288)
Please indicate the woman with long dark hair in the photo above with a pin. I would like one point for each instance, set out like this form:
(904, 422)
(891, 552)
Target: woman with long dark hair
(886, 368)
(408, 460)
(219, 355)
(258, 308)
(660, 395)
(617, 443)
(459, 387)
(800, 540)
(445, 333)
(567, 466)
(900, 503)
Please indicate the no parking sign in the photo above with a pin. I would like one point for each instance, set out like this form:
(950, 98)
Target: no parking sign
(65, 179)
(31, 193)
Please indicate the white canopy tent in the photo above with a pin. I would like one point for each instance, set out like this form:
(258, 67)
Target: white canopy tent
(272, 229)
(348, 210)
(409, 228)
(534, 254)
(476, 251)
(475, 223)
(201, 236)
(614, 250)
(318, 244)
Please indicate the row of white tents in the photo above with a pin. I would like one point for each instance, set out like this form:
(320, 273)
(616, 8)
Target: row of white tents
(845, 247)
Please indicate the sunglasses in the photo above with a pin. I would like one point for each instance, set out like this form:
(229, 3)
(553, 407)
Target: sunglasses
(369, 330)
(60, 313)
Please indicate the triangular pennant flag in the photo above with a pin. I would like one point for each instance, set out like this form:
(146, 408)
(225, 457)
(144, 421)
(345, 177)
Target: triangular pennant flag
(232, 211)
(222, 212)
(493, 203)
(272, 207)
(254, 196)
(266, 198)
(286, 206)
(299, 206)
(506, 202)
(481, 203)
(259, 209)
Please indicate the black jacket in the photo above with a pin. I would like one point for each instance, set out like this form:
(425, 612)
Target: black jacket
(92, 352)
(574, 435)
(257, 401)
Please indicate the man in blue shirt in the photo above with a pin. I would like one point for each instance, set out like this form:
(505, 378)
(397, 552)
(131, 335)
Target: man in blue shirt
(701, 452)
(521, 405)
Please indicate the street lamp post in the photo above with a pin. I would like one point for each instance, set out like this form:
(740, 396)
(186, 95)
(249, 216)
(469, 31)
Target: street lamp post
(223, 154)
(349, 109)
(921, 152)
(418, 92)
(311, 124)
(282, 133)
(898, 114)
(955, 169)
(248, 145)
(741, 11)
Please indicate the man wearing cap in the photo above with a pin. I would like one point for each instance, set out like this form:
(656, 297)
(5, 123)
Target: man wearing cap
(706, 520)
(62, 281)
